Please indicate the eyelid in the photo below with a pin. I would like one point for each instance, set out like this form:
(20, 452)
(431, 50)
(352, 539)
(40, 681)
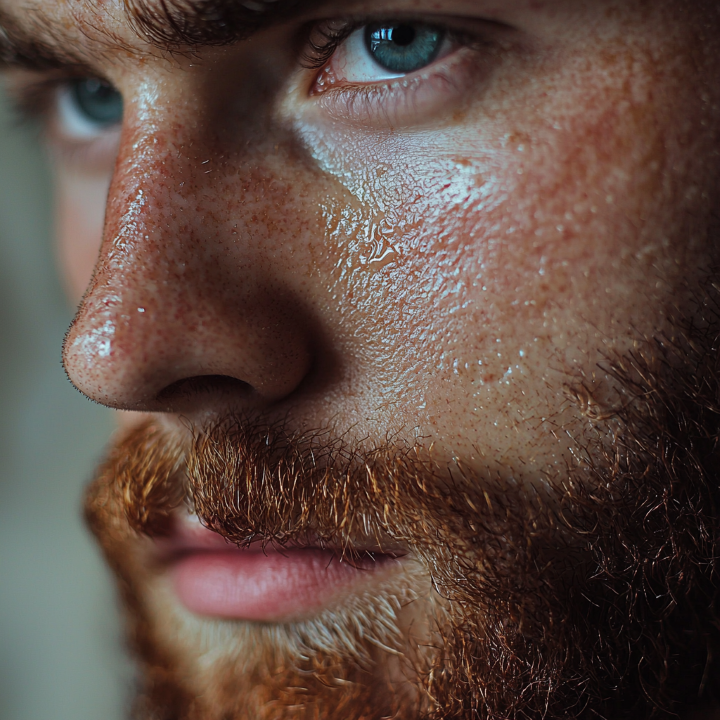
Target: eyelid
(325, 36)
(404, 102)
(32, 94)
(34, 99)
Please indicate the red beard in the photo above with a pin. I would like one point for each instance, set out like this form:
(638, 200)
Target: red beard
(592, 593)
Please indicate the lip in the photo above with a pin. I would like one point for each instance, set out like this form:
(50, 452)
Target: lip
(214, 578)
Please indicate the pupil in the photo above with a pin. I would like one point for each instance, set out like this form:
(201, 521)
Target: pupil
(98, 101)
(402, 34)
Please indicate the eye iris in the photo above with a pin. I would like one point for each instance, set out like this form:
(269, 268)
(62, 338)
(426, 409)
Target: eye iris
(98, 101)
(403, 47)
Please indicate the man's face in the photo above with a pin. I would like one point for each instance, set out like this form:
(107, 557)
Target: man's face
(404, 299)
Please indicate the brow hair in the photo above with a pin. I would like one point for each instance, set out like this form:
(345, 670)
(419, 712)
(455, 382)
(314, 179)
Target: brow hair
(34, 47)
(176, 24)
(169, 25)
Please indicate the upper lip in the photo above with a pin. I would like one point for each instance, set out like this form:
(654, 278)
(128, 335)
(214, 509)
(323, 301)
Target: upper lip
(188, 536)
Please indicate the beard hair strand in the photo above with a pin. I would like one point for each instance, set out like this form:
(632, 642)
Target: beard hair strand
(593, 593)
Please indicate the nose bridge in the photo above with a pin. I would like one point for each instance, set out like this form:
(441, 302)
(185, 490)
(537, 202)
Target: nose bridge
(182, 290)
(150, 233)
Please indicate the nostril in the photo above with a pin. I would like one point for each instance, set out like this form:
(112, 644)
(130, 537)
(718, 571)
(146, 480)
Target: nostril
(192, 389)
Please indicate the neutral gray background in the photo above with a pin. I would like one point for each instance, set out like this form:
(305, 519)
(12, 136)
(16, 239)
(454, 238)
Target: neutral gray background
(60, 647)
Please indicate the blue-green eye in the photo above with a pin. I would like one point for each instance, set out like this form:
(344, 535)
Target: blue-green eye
(403, 47)
(97, 101)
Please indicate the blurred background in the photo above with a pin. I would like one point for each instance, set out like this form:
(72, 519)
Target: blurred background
(61, 655)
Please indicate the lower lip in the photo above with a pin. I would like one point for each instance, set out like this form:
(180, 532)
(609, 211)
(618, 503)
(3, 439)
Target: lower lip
(271, 585)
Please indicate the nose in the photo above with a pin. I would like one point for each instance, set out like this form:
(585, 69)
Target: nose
(192, 305)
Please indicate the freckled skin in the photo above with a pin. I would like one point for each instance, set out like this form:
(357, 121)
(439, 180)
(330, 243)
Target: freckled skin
(449, 267)
(447, 280)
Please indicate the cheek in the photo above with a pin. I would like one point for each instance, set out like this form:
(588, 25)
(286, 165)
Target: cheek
(506, 258)
(80, 210)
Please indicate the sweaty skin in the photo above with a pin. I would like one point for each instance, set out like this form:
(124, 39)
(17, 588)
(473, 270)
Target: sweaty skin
(444, 257)
(435, 276)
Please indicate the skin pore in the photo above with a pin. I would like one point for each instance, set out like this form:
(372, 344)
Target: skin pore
(455, 260)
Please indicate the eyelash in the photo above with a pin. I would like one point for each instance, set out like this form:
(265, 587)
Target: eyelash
(324, 38)
(32, 102)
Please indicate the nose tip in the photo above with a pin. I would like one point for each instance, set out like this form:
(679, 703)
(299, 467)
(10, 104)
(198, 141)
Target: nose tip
(154, 343)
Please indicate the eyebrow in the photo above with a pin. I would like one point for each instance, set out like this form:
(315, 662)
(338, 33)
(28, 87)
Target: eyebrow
(174, 24)
(34, 48)
(168, 25)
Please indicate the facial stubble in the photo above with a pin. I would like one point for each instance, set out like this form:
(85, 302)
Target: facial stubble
(593, 592)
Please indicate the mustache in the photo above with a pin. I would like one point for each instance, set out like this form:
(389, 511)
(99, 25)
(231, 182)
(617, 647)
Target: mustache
(251, 482)
(595, 592)
(598, 591)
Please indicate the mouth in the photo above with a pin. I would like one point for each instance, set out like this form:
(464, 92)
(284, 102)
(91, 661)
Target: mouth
(264, 582)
